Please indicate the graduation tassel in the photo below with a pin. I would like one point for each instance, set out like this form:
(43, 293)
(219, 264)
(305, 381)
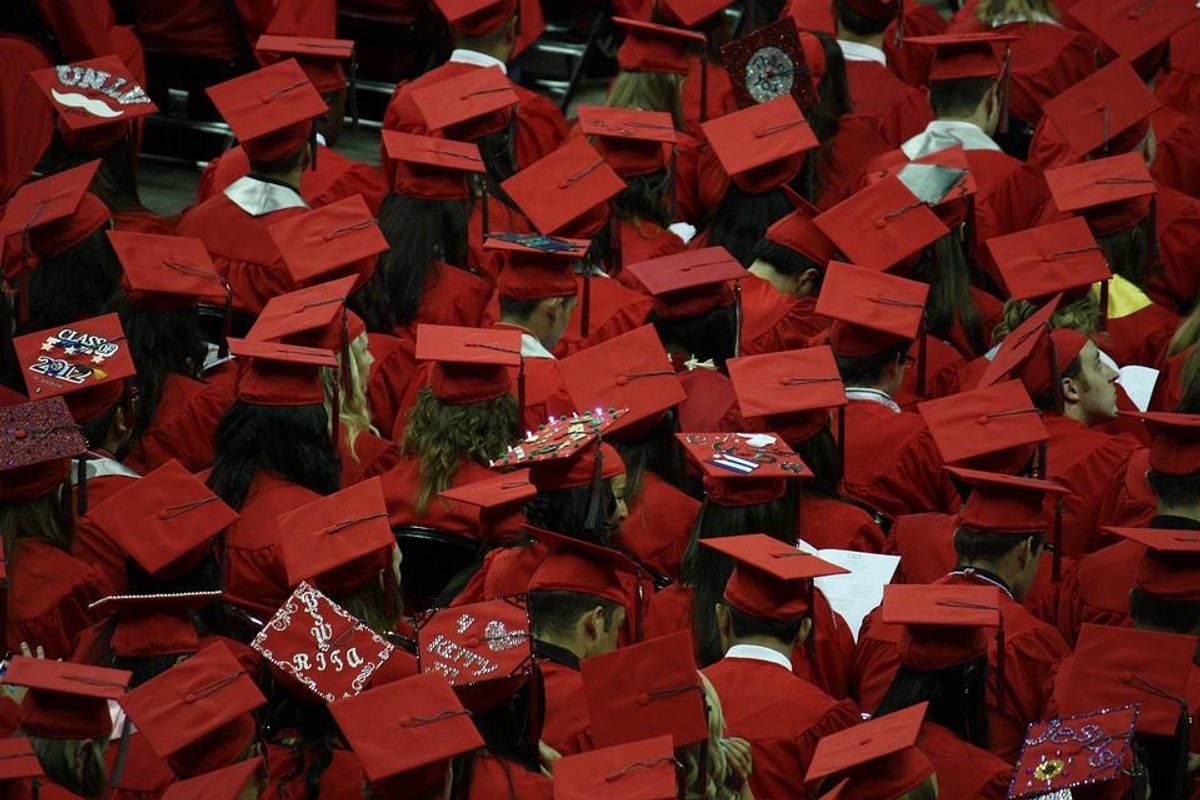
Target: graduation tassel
(1000, 667)
(312, 147)
(352, 100)
(1042, 452)
(81, 501)
(227, 323)
(591, 523)
(585, 314)
(1104, 305)
(521, 395)
(921, 359)
(841, 432)
(737, 318)
(483, 196)
(1005, 78)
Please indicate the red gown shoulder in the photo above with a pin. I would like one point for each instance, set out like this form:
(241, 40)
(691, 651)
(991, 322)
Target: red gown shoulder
(48, 596)
(659, 526)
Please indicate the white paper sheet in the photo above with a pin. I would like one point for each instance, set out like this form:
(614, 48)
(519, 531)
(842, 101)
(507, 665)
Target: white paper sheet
(856, 594)
(1137, 381)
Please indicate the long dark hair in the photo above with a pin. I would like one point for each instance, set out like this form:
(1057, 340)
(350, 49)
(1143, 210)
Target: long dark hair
(116, 179)
(945, 267)
(1130, 252)
(312, 736)
(420, 233)
(820, 451)
(957, 698)
(646, 199)
(291, 441)
(708, 336)
(741, 220)
(565, 511)
(74, 285)
(652, 451)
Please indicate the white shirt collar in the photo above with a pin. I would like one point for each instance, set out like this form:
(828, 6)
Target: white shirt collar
(857, 51)
(532, 348)
(258, 198)
(756, 652)
(943, 133)
(872, 396)
(461, 56)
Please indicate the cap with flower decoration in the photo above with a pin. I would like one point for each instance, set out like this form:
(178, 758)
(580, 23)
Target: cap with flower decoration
(37, 442)
(538, 267)
(475, 18)
(1060, 754)
(1170, 568)
(1111, 193)
(770, 579)
(94, 100)
(469, 105)
(330, 241)
(762, 147)
(771, 62)
(742, 469)
(792, 391)
(470, 364)
(646, 690)
(872, 311)
(316, 644)
(566, 191)
(1037, 263)
(167, 273)
(429, 167)
(1108, 111)
(995, 426)
(567, 452)
(944, 626)
(66, 700)
(281, 375)
(573, 565)
(165, 520)
(633, 142)
(643, 769)
(149, 625)
(649, 47)
(271, 110)
(1004, 504)
(1133, 28)
(691, 283)
(227, 783)
(880, 756)
(1175, 442)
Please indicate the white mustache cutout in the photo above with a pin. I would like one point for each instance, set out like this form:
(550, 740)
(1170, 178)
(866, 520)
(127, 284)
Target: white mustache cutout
(97, 108)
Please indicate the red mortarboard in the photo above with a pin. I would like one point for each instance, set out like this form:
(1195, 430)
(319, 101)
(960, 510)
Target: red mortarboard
(645, 690)
(1111, 193)
(319, 645)
(797, 232)
(320, 58)
(1063, 345)
(1112, 666)
(429, 167)
(630, 371)
(965, 55)
(405, 725)
(281, 374)
(311, 317)
(339, 542)
(633, 142)
(885, 750)
(471, 363)
(481, 97)
(882, 225)
(17, 761)
(655, 48)
(1038, 263)
(692, 13)
(149, 625)
(37, 441)
(57, 212)
(320, 244)
(762, 147)
(569, 184)
(1004, 503)
(643, 770)
(770, 579)
(494, 492)
(691, 283)
(228, 783)
(577, 566)
(271, 110)
(475, 18)
(86, 361)
(165, 520)
(877, 9)
(1111, 107)
(1132, 28)
(872, 311)
(561, 453)
(991, 419)
(771, 62)
(538, 267)
(1020, 344)
(94, 99)
(942, 180)
(943, 625)
(66, 700)
(200, 707)
(1175, 446)
(1049, 766)
(742, 469)
(167, 273)
(1170, 568)
(793, 390)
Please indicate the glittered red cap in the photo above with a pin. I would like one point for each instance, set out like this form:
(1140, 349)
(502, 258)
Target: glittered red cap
(770, 579)
(1057, 754)
(94, 100)
(37, 441)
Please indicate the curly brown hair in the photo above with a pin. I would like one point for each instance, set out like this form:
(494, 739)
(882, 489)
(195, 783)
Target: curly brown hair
(441, 436)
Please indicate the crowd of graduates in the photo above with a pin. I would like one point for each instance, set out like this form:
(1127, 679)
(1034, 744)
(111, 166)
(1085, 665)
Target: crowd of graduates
(536, 462)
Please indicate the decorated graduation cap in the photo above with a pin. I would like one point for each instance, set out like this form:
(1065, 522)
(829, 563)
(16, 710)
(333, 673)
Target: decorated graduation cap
(1113, 666)
(879, 756)
(539, 267)
(882, 226)
(691, 283)
(770, 63)
(270, 110)
(1175, 442)
(467, 106)
(281, 375)
(872, 311)
(197, 714)
(408, 730)
(495, 497)
(1057, 756)
(164, 521)
(632, 141)
(792, 391)
(475, 18)
(944, 626)
(320, 648)
(645, 690)
(762, 147)
(331, 241)
(66, 700)
(996, 427)
(37, 442)
(1106, 112)
(566, 191)
(573, 565)
(150, 625)
(770, 579)
(470, 364)
(227, 783)
(630, 371)
(649, 47)
(644, 769)
(1004, 504)
(942, 180)
(1170, 568)
(94, 100)
(429, 167)
(743, 469)
(1134, 28)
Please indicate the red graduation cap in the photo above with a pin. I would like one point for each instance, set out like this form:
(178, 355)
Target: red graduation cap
(1108, 109)
(37, 441)
(770, 579)
(797, 232)
(880, 755)
(772, 62)
(1004, 503)
(633, 142)
(574, 565)
(312, 317)
(318, 645)
(271, 110)
(691, 13)
(1113, 666)
(401, 726)
(538, 267)
(1111, 193)
(942, 180)
(944, 626)
(646, 690)
(494, 496)
(656, 48)
(999, 421)
(966, 55)
(630, 371)
(94, 99)
(645, 770)
(881, 225)
(1132, 28)
(430, 167)
(1048, 766)
(1170, 568)
(66, 700)
(762, 147)
(281, 374)
(475, 18)
(1020, 344)
(691, 283)
(877, 9)
(567, 188)
(165, 520)
(320, 57)
(1040, 262)
(481, 97)
(471, 363)
(340, 542)
(872, 311)
(326, 242)
(149, 625)
(743, 469)
(17, 762)
(1175, 446)
(791, 390)
(227, 783)
(167, 273)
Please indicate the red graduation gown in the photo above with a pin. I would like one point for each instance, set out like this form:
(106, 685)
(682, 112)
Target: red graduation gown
(1177, 150)
(373, 455)
(565, 727)
(659, 525)
(1011, 195)
(200, 27)
(48, 596)
(1177, 221)
(342, 778)
(781, 716)
(711, 403)
(901, 111)
(1097, 589)
(965, 772)
(773, 321)
(613, 309)
(493, 778)
(830, 523)
(451, 296)
(857, 141)
(141, 220)
(1131, 502)
(1179, 87)
(719, 91)
(402, 482)
(643, 241)
(391, 377)
(185, 423)
(1031, 649)
(335, 178)
(145, 775)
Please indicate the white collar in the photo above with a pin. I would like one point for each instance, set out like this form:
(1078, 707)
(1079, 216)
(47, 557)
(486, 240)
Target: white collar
(102, 466)
(943, 133)
(478, 59)
(857, 51)
(258, 198)
(532, 348)
(872, 396)
(756, 652)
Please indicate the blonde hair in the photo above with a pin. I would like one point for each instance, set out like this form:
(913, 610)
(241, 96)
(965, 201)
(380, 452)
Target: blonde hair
(1083, 315)
(355, 412)
(714, 784)
(648, 91)
(989, 11)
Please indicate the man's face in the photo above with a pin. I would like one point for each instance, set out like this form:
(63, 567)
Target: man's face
(1095, 389)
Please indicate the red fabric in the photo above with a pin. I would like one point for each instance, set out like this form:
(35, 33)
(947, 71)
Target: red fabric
(1138, 338)
(1131, 502)
(391, 375)
(453, 296)
(1011, 194)
(1031, 649)
(857, 141)
(659, 526)
(82, 27)
(711, 403)
(93, 546)
(1177, 218)
(1177, 150)
(827, 658)
(943, 359)
(565, 727)
(375, 455)
(669, 611)
(827, 523)
(145, 775)
(48, 597)
(1179, 87)
(615, 309)
(900, 111)
(720, 94)
(402, 482)
(773, 321)
(342, 779)
(23, 107)
(645, 241)
(965, 772)
(185, 423)
(782, 716)
(502, 218)
(1169, 390)
(688, 207)
(492, 777)
(1097, 589)
(141, 220)
(200, 27)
